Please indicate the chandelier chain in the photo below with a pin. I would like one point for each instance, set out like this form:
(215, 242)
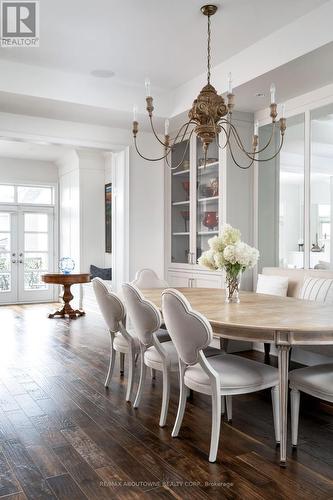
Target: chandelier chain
(208, 49)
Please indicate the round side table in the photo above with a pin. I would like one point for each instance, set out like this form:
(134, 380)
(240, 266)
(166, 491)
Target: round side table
(66, 280)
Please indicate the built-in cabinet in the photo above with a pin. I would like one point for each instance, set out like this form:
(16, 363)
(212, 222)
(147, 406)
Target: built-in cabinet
(197, 205)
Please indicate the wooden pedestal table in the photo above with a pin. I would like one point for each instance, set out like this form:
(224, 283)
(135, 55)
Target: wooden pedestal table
(66, 280)
(282, 321)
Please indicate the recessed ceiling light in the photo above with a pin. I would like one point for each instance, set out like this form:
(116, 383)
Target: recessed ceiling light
(260, 94)
(102, 73)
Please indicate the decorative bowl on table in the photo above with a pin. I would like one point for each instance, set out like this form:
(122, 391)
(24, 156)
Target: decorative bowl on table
(210, 220)
(66, 265)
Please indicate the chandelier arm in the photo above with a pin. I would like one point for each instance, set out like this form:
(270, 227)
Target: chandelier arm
(243, 167)
(227, 135)
(186, 125)
(241, 146)
(275, 154)
(184, 154)
(155, 134)
(144, 157)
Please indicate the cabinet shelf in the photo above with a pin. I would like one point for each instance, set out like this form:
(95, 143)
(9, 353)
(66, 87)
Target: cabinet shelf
(208, 199)
(181, 172)
(207, 233)
(209, 165)
(181, 234)
(179, 203)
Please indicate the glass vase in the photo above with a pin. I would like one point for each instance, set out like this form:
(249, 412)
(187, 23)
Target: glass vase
(232, 287)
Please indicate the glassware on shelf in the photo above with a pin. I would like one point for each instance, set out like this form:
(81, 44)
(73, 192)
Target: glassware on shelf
(186, 187)
(210, 220)
(186, 216)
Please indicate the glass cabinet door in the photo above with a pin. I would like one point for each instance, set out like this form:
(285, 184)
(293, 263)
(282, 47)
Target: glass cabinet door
(180, 204)
(208, 196)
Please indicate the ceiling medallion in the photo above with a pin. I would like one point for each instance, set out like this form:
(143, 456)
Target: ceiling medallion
(209, 116)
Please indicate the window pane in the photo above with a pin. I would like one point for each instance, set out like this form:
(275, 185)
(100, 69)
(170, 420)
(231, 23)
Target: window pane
(35, 222)
(35, 261)
(4, 222)
(32, 281)
(6, 194)
(4, 242)
(27, 194)
(321, 205)
(281, 198)
(4, 283)
(4, 262)
(35, 242)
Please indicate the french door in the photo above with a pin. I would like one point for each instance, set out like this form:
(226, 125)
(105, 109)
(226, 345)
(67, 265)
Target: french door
(26, 252)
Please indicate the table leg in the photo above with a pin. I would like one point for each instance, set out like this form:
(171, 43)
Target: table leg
(283, 357)
(67, 308)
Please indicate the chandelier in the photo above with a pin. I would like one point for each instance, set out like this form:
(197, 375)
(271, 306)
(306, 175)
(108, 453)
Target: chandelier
(209, 116)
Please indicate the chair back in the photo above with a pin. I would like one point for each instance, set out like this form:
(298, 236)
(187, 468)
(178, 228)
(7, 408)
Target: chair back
(145, 317)
(189, 330)
(110, 305)
(147, 278)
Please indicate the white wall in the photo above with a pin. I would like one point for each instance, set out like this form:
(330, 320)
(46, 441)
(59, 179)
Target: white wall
(17, 170)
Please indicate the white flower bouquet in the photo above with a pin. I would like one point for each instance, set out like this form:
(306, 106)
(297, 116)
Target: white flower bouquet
(227, 252)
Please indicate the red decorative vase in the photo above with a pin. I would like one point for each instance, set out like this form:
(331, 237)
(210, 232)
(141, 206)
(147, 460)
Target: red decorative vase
(210, 220)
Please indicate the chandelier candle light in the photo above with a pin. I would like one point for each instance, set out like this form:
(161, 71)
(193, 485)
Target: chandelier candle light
(227, 252)
(209, 116)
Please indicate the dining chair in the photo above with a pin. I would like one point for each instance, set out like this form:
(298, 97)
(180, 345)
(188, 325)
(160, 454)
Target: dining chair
(147, 278)
(121, 339)
(224, 375)
(160, 356)
(314, 380)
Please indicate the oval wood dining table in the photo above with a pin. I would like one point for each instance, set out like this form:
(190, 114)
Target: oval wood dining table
(282, 321)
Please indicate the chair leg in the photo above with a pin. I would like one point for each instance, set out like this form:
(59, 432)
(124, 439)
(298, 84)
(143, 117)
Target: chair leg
(111, 363)
(143, 370)
(131, 368)
(183, 394)
(267, 348)
(228, 400)
(216, 423)
(122, 363)
(165, 396)
(222, 405)
(295, 400)
(276, 412)
(153, 373)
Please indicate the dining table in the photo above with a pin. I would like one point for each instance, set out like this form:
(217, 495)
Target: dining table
(282, 321)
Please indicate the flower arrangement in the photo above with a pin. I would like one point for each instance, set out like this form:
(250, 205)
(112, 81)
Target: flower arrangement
(227, 252)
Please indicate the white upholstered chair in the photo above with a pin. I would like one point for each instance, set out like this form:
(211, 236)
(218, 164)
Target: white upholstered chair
(121, 340)
(155, 352)
(147, 278)
(314, 380)
(224, 375)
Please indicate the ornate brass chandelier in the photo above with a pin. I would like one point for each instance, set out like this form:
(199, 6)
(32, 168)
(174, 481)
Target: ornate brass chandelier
(209, 116)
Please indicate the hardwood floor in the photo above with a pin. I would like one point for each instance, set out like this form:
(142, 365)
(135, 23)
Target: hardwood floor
(62, 435)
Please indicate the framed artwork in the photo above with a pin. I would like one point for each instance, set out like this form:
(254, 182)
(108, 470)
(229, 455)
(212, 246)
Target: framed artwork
(108, 218)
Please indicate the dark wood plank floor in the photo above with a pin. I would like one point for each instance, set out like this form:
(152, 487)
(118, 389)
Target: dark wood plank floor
(62, 435)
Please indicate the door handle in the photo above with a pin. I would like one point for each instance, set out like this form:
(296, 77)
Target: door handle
(14, 261)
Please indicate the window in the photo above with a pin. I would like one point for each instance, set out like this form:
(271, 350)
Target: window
(7, 194)
(35, 195)
(321, 189)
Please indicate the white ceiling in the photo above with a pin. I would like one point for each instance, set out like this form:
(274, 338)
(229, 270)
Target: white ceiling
(164, 39)
(30, 151)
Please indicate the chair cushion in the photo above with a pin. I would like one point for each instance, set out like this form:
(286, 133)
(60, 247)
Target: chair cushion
(315, 380)
(272, 285)
(212, 351)
(152, 356)
(237, 375)
(317, 289)
(120, 343)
